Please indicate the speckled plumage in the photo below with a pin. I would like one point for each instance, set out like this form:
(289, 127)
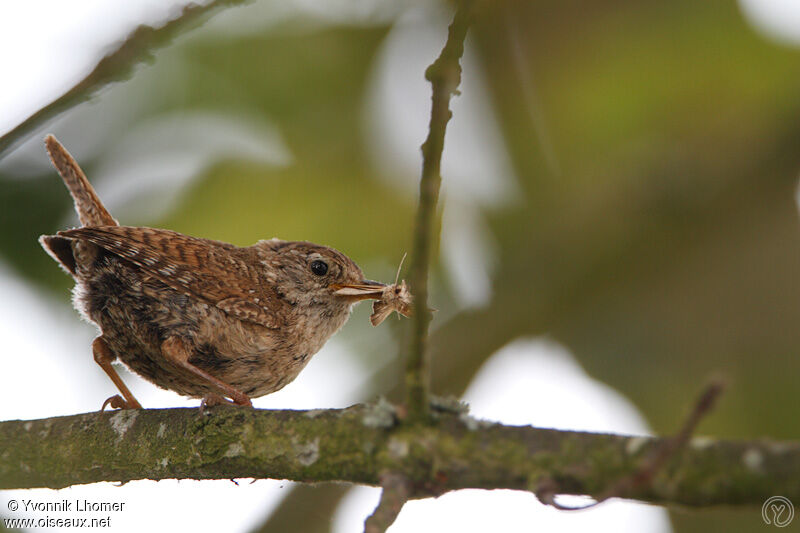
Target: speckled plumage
(255, 348)
(200, 317)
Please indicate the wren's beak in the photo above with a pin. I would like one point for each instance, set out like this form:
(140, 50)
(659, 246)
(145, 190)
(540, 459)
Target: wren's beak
(363, 290)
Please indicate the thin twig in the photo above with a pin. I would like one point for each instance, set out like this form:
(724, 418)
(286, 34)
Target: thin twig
(644, 475)
(396, 492)
(445, 77)
(115, 66)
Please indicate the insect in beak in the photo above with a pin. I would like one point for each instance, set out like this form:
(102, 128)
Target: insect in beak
(364, 290)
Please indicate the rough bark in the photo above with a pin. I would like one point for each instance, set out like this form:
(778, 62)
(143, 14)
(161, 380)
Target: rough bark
(361, 443)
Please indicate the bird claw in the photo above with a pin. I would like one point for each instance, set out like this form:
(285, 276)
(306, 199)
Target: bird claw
(242, 400)
(118, 402)
(212, 400)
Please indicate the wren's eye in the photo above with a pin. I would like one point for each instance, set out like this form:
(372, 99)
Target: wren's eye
(319, 268)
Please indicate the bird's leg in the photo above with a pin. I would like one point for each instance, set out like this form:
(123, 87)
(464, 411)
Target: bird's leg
(176, 351)
(104, 357)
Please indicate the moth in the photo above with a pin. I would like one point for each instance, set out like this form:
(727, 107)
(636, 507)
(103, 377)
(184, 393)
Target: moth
(395, 297)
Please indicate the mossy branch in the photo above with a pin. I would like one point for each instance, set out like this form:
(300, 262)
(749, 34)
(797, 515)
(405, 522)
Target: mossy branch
(362, 443)
(118, 65)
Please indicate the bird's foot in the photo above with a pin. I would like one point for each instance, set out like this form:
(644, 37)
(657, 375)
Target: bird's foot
(118, 402)
(211, 400)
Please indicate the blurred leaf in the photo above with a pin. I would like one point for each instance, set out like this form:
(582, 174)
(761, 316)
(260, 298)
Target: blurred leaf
(328, 194)
(31, 207)
(668, 248)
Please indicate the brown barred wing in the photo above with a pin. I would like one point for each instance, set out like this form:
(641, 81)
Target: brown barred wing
(211, 271)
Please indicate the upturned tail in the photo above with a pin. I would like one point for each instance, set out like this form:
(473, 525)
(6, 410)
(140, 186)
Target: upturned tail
(90, 209)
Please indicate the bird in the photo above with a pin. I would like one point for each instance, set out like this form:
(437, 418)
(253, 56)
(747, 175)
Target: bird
(200, 317)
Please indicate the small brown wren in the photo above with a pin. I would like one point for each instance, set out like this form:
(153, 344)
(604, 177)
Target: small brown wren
(203, 318)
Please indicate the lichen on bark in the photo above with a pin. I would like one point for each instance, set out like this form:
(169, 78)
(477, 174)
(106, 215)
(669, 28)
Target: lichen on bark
(453, 452)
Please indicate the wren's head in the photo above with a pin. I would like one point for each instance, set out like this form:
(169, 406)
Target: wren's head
(313, 276)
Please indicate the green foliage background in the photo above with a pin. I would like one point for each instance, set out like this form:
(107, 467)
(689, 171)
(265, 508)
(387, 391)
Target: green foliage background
(664, 249)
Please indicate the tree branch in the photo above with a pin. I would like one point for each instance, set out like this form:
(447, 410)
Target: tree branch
(445, 77)
(396, 492)
(116, 66)
(361, 443)
(650, 466)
